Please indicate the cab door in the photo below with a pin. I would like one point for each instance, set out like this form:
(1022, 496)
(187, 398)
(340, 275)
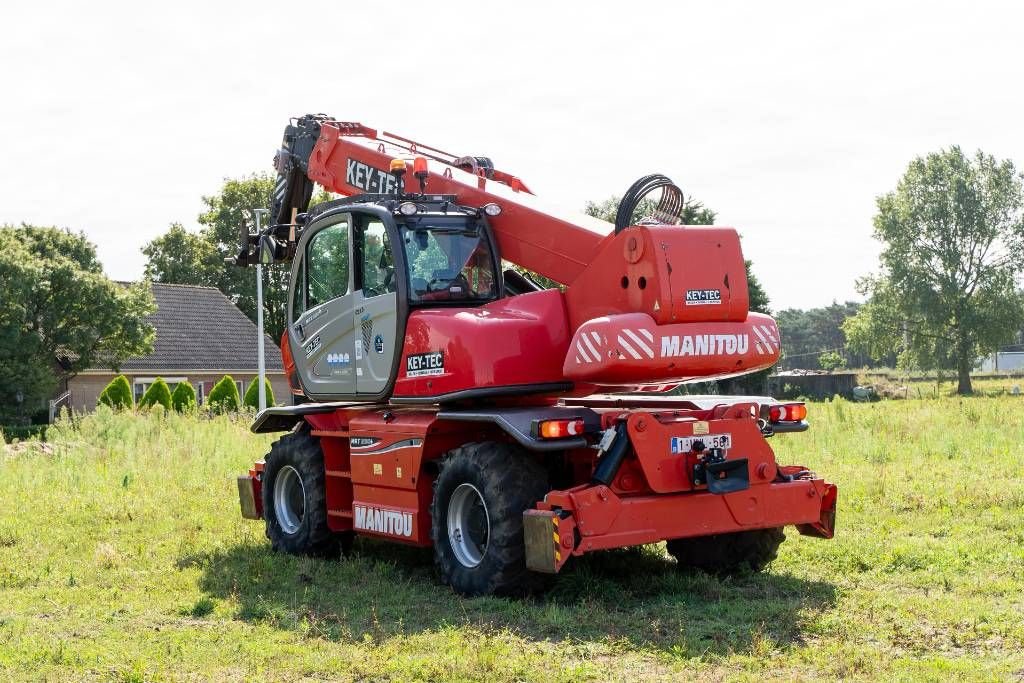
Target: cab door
(321, 309)
(376, 307)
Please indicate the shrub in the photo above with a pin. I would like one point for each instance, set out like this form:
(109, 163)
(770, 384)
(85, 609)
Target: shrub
(11, 433)
(252, 394)
(223, 397)
(117, 394)
(158, 392)
(184, 397)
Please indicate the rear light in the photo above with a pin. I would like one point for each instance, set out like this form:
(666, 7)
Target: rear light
(559, 429)
(788, 412)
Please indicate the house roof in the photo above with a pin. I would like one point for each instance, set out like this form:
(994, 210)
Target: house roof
(198, 328)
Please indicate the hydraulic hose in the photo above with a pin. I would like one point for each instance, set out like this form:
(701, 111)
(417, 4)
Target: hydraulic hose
(608, 465)
(669, 208)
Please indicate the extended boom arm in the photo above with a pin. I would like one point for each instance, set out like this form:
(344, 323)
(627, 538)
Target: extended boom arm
(349, 159)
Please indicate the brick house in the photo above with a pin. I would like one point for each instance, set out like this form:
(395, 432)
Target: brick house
(200, 337)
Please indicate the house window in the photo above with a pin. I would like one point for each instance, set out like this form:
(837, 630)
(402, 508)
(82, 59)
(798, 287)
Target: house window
(241, 388)
(142, 384)
(201, 393)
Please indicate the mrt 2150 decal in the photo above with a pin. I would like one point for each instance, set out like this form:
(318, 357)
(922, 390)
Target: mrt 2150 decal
(313, 346)
(382, 521)
(365, 177)
(423, 364)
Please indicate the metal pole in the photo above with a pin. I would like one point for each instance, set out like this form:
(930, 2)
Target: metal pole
(259, 322)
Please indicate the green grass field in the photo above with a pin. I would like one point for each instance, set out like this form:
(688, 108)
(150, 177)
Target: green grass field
(123, 557)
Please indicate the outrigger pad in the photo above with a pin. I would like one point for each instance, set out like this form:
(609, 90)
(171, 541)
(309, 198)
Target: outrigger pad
(726, 476)
(540, 532)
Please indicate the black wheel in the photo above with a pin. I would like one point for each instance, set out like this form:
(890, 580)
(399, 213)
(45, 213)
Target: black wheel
(294, 498)
(728, 553)
(477, 518)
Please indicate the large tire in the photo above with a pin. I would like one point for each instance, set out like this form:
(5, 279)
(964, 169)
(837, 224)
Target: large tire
(477, 518)
(294, 498)
(728, 553)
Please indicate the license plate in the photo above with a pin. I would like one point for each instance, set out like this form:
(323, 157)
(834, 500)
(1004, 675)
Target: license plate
(684, 444)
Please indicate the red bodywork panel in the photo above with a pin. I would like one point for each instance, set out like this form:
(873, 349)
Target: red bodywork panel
(662, 270)
(621, 349)
(654, 496)
(519, 340)
(290, 371)
(381, 464)
(376, 480)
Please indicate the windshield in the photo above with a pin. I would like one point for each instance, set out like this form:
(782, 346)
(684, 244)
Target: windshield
(448, 261)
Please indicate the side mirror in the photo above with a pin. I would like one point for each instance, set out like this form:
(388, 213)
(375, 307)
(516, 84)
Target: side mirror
(268, 250)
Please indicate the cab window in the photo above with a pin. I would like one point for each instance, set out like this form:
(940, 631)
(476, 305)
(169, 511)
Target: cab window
(327, 271)
(299, 292)
(449, 263)
(376, 262)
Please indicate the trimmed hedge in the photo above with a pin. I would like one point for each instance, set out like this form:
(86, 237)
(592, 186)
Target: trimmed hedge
(184, 397)
(22, 432)
(252, 394)
(223, 397)
(158, 392)
(117, 394)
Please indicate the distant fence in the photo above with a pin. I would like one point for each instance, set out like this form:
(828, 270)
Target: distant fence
(813, 385)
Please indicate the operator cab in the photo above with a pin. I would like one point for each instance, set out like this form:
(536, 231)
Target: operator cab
(360, 265)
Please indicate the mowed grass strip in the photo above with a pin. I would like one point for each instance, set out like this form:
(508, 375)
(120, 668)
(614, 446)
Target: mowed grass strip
(123, 557)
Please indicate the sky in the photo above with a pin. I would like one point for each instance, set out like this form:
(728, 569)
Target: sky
(787, 118)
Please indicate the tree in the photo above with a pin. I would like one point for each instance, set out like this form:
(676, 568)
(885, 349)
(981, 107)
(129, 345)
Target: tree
(252, 394)
(807, 334)
(60, 314)
(953, 242)
(158, 392)
(24, 380)
(831, 360)
(223, 397)
(183, 399)
(117, 394)
(183, 258)
(224, 213)
(197, 258)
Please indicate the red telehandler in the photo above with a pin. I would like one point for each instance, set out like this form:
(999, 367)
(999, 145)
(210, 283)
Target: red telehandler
(441, 401)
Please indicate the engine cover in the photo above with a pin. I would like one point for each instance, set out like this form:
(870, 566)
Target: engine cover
(514, 345)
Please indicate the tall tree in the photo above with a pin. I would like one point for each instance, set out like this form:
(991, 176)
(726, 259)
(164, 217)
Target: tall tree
(59, 314)
(183, 258)
(953, 245)
(225, 212)
(197, 258)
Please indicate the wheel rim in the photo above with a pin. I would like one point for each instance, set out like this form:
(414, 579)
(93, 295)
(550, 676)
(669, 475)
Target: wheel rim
(469, 525)
(289, 499)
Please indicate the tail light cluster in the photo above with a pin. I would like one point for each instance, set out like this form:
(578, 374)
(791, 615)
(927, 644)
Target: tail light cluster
(558, 429)
(788, 412)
